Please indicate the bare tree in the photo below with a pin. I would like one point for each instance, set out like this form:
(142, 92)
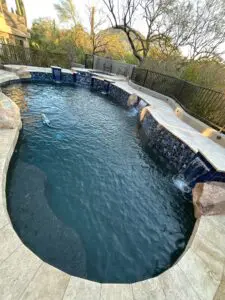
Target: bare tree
(124, 14)
(206, 32)
(96, 20)
(197, 25)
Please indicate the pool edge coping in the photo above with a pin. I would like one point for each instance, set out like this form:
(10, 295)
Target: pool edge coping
(151, 286)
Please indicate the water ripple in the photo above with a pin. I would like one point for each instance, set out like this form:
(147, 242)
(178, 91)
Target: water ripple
(112, 200)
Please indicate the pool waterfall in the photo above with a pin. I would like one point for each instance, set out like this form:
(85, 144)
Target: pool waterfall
(190, 174)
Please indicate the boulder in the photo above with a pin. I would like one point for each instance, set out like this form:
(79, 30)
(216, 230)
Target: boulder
(145, 111)
(132, 100)
(9, 113)
(23, 73)
(209, 199)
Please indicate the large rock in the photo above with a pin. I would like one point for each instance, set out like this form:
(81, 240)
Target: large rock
(144, 112)
(9, 113)
(23, 73)
(209, 199)
(132, 100)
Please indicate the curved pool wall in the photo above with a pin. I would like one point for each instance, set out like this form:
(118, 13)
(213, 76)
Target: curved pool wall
(176, 151)
(179, 155)
(117, 196)
(199, 273)
(198, 125)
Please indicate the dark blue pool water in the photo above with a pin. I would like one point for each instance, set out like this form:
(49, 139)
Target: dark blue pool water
(85, 195)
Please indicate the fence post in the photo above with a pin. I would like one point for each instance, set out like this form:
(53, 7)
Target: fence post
(181, 89)
(145, 78)
(85, 63)
(152, 81)
(131, 77)
(93, 61)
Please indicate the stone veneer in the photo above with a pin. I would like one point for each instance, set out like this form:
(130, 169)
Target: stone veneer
(198, 274)
(177, 153)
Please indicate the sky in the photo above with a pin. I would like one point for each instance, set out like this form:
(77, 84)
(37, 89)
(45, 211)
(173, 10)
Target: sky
(45, 8)
(40, 8)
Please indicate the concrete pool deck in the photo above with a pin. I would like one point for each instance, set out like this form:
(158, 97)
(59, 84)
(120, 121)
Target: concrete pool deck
(199, 274)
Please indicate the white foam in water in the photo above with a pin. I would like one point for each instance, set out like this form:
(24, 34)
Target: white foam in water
(133, 112)
(45, 120)
(141, 104)
(181, 184)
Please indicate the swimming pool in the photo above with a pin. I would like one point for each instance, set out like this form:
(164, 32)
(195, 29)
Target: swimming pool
(86, 195)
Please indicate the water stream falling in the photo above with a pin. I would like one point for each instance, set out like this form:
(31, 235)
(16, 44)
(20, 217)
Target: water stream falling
(188, 176)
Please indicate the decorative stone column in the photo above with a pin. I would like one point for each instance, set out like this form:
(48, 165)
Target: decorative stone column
(56, 73)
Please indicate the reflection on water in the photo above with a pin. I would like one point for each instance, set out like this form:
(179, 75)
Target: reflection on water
(18, 96)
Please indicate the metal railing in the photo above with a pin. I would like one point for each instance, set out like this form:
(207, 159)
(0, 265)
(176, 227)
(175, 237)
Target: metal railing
(89, 61)
(205, 104)
(11, 54)
(108, 65)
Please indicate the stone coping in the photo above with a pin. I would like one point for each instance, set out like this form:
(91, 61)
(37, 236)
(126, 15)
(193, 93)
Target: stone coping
(7, 76)
(198, 274)
(15, 68)
(201, 127)
(103, 79)
(165, 115)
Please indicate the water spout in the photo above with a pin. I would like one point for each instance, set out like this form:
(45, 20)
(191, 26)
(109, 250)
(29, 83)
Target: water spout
(188, 176)
(132, 112)
(180, 183)
(56, 74)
